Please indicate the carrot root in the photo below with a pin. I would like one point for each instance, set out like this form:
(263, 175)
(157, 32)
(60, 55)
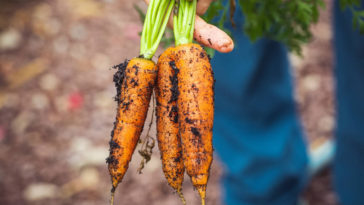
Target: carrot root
(195, 112)
(169, 141)
(134, 85)
(180, 194)
(112, 197)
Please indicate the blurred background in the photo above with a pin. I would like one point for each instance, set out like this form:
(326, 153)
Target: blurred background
(57, 108)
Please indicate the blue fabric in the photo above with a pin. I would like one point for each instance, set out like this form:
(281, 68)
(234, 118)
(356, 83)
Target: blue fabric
(349, 71)
(257, 134)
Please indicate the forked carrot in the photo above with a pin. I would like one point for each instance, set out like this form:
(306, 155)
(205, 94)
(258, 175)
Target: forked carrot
(169, 140)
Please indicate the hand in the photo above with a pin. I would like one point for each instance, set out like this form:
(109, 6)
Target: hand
(207, 34)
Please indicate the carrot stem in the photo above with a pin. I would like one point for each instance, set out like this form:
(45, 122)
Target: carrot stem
(159, 17)
(184, 22)
(164, 25)
(154, 25)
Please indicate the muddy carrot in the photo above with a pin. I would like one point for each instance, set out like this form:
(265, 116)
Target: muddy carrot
(169, 141)
(135, 82)
(196, 98)
(195, 112)
(134, 97)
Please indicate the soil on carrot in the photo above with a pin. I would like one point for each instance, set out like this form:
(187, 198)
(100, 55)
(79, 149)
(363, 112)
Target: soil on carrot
(57, 105)
(119, 78)
(174, 82)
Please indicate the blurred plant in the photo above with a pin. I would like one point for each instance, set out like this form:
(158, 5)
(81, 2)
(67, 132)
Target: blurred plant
(281, 20)
(285, 21)
(140, 13)
(358, 15)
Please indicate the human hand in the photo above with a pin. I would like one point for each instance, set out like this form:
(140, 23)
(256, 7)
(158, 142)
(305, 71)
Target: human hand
(207, 34)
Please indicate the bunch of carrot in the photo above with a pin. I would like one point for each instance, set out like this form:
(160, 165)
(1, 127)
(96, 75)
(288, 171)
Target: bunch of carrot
(184, 83)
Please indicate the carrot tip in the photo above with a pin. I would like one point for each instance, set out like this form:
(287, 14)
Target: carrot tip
(180, 194)
(202, 192)
(113, 189)
(112, 196)
(202, 201)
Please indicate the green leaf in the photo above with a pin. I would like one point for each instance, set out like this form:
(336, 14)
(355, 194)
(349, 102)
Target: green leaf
(210, 51)
(361, 27)
(167, 39)
(287, 21)
(140, 13)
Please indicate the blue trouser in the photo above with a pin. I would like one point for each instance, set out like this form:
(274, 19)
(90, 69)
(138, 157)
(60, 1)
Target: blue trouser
(257, 133)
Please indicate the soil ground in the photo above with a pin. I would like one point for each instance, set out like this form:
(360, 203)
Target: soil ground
(57, 108)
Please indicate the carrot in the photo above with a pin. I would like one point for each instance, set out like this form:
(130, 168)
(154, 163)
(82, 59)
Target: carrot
(135, 94)
(169, 141)
(135, 83)
(196, 98)
(195, 112)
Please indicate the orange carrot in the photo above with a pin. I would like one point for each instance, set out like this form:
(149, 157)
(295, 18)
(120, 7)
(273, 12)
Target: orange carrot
(195, 112)
(134, 93)
(169, 141)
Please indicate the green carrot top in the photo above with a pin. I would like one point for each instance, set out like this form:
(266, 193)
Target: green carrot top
(184, 21)
(154, 25)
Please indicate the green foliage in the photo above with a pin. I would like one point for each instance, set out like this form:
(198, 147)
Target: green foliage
(210, 51)
(358, 15)
(358, 21)
(348, 3)
(287, 21)
(140, 13)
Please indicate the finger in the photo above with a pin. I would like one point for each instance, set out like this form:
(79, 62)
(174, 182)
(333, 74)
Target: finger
(211, 36)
